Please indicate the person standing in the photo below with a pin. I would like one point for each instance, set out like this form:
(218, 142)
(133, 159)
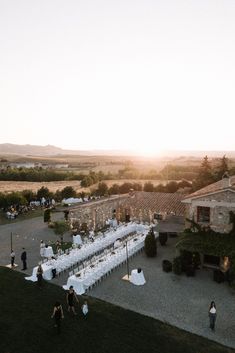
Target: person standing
(57, 315)
(12, 258)
(85, 308)
(23, 259)
(71, 295)
(42, 248)
(39, 275)
(212, 315)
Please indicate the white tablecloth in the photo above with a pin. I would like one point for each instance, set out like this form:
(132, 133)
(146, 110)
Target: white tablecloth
(77, 239)
(47, 273)
(137, 278)
(88, 249)
(103, 265)
(75, 256)
(48, 252)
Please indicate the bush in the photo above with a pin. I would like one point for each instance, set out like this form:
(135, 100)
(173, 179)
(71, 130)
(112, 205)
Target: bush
(166, 266)
(189, 259)
(218, 276)
(190, 270)
(47, 215)
(150, 245)
(177, 266)
(163, 238)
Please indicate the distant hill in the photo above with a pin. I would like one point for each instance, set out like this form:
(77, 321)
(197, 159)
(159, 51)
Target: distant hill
(49, 150)
(9, 148)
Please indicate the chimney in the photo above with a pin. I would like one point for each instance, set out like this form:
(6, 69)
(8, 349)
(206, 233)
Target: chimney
(226, 181)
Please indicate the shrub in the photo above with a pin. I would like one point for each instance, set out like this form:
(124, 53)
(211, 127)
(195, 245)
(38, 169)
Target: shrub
(61, 227)
(47, 215)
(177, 266)
(166, 266)
(189, 259)
(163, 238)
(150, 244)
(190, 270)
(218, 276)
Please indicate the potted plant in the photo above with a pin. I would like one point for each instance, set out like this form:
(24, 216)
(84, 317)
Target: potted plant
(166, 266)
(163, 238)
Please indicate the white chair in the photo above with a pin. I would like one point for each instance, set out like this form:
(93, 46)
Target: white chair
(70, 273)
(75, 270)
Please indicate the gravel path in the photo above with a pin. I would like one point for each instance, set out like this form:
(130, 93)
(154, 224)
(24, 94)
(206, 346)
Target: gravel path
(178, 300)
(27, 234)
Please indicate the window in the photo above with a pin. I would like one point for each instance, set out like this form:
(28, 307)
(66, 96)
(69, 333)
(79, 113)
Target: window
(203, 214)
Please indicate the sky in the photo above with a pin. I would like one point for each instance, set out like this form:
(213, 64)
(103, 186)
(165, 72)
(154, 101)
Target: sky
(144, 75)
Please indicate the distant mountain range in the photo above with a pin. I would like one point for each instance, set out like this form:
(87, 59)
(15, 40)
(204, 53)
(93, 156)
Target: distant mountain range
(49, 150)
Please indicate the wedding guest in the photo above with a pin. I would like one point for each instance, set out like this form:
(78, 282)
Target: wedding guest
(39, 275)
(42, 248)
(85, 308)
(58, 246)
(12, 258)
(71, 296)
(212, 315)
(23, 259)
(58, 315)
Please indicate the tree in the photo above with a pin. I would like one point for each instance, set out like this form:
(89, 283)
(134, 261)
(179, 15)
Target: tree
(149, 187)
(205, 176)
(15, 198)
(68, 192)
(172, 186)
(114, 189)
(60, 228)
(150, 244)
(125, 188)
(43, 192)
(86, 181)
(28, 195)
(102, 189)
(222, 168)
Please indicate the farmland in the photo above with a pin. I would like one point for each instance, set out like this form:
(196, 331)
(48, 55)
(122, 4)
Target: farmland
(9, 186)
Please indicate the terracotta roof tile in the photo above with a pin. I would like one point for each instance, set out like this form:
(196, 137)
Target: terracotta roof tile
(159, 202)
(215, 187)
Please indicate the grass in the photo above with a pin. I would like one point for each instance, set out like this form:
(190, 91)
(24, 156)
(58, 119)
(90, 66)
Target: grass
(26, 326)
(21, 217)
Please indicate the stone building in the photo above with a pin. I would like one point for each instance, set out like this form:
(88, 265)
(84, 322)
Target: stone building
(210, 206)
(138, 206)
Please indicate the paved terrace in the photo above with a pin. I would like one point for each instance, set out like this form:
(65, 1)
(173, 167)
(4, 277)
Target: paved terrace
(179, 300)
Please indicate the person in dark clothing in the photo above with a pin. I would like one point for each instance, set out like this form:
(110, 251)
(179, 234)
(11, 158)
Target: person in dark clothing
(58, 315)
(39, 275)
(71, 295)
(23, 259)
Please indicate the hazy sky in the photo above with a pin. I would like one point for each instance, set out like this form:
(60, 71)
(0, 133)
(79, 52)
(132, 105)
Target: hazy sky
(139, 74)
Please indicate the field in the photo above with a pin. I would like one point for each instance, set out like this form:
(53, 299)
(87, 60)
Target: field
(8, 186)
(27, 327)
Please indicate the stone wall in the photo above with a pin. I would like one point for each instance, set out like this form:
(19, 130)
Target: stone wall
(220, 205)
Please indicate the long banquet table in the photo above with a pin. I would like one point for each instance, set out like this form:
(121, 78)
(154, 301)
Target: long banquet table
(104, 265)
(86, 250)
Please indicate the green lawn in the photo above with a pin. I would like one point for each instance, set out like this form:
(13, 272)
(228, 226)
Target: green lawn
(26, 326)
